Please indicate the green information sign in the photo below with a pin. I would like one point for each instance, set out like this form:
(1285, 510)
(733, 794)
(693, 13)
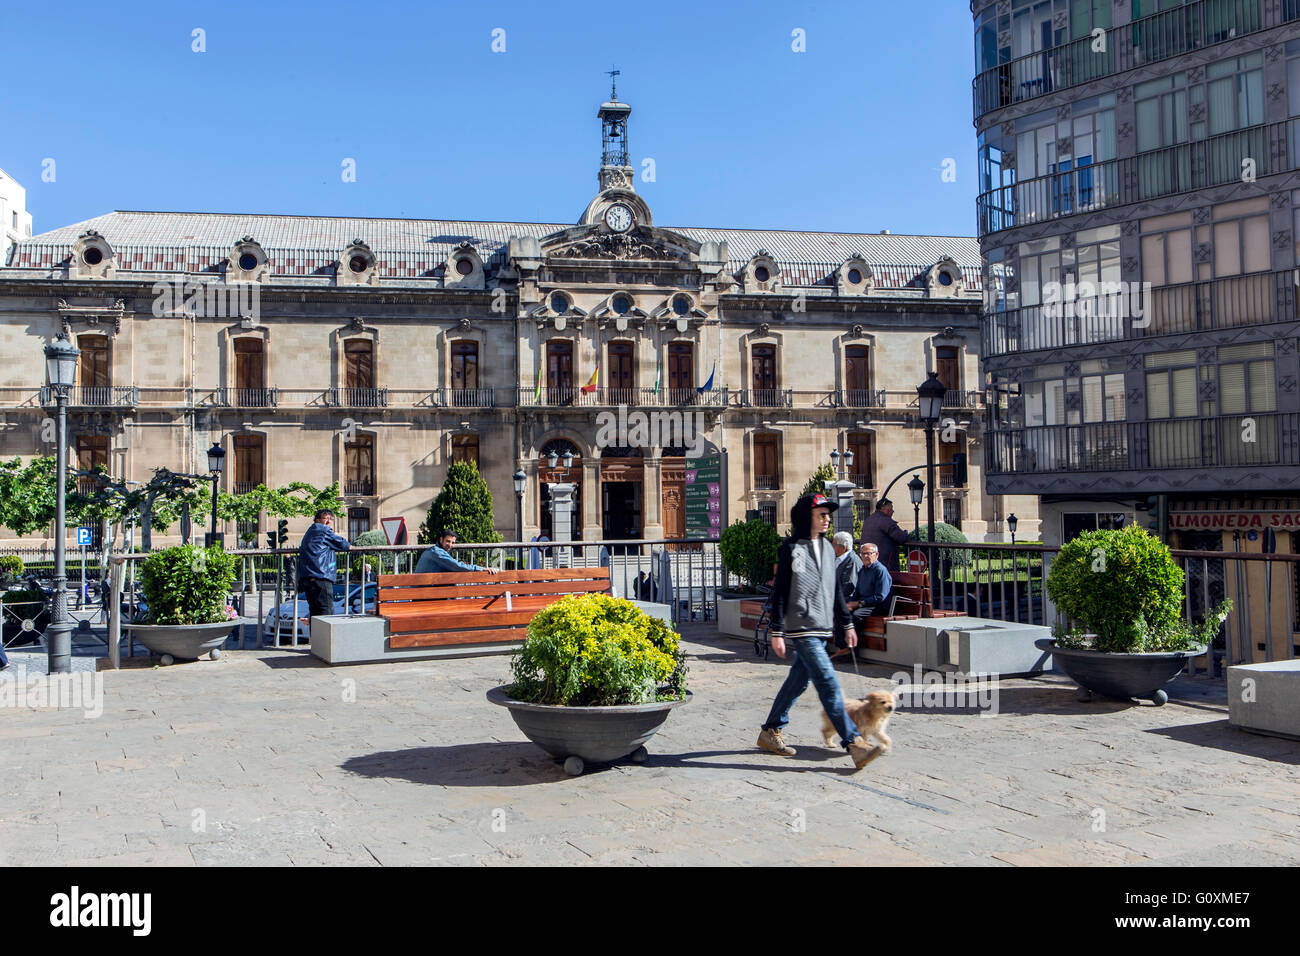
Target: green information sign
(704, 497)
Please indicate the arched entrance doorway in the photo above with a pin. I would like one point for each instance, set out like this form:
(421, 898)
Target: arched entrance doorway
(622, 490)
(547, 475)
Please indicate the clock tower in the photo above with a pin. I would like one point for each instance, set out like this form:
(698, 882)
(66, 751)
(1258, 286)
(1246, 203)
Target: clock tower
(617, 205)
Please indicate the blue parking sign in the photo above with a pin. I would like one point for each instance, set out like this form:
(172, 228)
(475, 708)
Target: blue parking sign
(83, 537)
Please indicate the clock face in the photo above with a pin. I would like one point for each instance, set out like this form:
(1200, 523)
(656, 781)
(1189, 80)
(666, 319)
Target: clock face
(618, 217)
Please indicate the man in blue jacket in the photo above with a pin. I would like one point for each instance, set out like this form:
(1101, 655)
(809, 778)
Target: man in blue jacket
(438, 558)
(317, 565)
(874, 585)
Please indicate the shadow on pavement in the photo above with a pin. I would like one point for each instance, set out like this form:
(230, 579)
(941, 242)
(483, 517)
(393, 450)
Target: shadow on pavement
(488, 764)
(1221, 735)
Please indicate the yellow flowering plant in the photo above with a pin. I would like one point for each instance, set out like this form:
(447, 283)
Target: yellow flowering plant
(596, 650)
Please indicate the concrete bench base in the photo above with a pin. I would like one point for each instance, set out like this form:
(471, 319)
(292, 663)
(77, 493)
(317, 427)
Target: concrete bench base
(1265, 698)
(363, 639)
(970, 645)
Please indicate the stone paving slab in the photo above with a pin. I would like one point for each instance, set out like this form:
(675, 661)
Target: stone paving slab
(271, 758)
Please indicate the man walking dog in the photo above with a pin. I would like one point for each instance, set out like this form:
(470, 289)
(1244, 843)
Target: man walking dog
(807, 607)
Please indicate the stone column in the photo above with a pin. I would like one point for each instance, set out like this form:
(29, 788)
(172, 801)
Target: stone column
(562, 520)
(652, 517)
(591, 527)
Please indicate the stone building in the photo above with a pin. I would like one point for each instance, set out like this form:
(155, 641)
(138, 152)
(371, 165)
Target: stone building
(1138, 217)
(374, 352)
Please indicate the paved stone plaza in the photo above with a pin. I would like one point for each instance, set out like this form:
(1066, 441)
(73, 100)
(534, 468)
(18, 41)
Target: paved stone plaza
(264, 758)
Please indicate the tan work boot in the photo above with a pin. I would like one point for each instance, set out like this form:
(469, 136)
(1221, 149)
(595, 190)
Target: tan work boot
(863, 754)
(770, 740)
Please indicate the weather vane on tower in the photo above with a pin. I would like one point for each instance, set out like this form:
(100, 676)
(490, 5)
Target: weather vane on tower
(613, 83)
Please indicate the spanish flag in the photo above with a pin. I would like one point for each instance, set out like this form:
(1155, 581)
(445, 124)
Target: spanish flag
(591, 386)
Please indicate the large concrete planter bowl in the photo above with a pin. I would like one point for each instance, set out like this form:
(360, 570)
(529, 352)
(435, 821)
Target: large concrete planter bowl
(1119, 675)
(183, 641)
(579, 734)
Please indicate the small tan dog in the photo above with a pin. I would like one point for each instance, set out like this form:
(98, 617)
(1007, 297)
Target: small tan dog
(871, 715)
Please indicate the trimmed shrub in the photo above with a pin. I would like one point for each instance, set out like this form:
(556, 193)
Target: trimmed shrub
(188, 584)
(464, 505)
(748, 550)
(951, 557)
(595, 650)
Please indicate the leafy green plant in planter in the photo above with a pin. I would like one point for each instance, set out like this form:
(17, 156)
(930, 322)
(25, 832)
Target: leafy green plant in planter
(748, 549)
(1125, 588)
(11, 568)
(596, 650)
(188, 584)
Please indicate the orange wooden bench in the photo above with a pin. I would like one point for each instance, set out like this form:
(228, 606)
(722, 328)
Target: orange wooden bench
(471, 607)
(911, 599)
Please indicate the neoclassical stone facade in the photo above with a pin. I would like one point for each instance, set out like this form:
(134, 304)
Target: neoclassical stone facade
(374, 352)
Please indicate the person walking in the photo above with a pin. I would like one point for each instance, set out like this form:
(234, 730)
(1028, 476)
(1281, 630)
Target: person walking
(317, 564)
(807, 606)
(883, 531)
(438, 558)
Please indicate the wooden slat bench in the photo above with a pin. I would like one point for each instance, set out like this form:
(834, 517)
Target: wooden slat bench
(911, 594)
(470, 607)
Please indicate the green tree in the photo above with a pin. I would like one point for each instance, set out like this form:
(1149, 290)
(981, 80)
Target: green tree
(464, 505)
(816, 483)
(748, 549)
(28, 495)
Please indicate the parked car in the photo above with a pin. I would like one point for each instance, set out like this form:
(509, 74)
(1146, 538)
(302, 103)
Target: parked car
(297, 612)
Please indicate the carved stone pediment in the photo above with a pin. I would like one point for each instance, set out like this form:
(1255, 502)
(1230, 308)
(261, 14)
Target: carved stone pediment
(613, 245)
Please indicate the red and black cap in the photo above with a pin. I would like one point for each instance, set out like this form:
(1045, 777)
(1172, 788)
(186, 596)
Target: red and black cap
(821, 501)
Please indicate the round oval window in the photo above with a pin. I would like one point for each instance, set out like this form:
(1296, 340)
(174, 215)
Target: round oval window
(559, 304)
(681, 304)
(92, 256)
(248, 262)
(622, 304)
(945, 278)
(464, 266)
(855, 276)
(358, 263)
(761, 274)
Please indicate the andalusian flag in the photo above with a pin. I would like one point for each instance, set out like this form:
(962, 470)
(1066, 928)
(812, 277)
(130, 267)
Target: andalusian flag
(658, 375)
(537, 396)
(591, 386)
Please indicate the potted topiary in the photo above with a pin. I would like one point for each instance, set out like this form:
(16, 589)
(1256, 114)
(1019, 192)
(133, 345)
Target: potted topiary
(748, 550)
(185, 595)
(1121, 593)
(595, 678)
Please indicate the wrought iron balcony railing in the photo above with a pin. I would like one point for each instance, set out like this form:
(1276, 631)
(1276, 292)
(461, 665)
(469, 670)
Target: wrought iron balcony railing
(766, 483)
(96, 396)
(1215, 161)
(765, 397)
(247, 397)
(1259, 298)
(358, 397)
(243, 487)
(1138, 446)
(359, 486)
(1156, 37)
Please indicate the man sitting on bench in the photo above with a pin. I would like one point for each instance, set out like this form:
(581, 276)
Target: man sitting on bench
(874, 585)
(438, 558)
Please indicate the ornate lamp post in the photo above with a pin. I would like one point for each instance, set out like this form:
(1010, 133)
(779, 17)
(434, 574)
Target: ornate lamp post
(61, 372)
(1011, 523)
(521, 485)
(930, 394)
(216, 459)
(915, 489)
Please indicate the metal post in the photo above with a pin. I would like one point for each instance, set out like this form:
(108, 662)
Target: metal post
(213, 538)
(929, 491)
(59, 632)
(115, 615)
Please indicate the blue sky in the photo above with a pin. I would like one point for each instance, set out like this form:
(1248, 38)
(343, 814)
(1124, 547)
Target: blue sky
(850, 135)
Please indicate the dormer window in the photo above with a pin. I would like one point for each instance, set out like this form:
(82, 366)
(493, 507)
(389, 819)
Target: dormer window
(358, 264)
(93, 256)
(945, 277)
(761, 274)
(248, 262)
(855, 276)
(464, 266)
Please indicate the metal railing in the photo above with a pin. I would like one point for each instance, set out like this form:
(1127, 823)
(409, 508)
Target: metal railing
(1160, 172)
(467, 397)
(1259, 298)
(360, 486)
(358, 397)
(1134, 446)
(247, 397)
(767, 483)
(860, 398)
(765, 397)
(1156, 37)
(1006, 582)
(95, 396)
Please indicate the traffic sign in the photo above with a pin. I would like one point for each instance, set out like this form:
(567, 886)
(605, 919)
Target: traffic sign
(916, 561)
(394, 529)
(83, 537)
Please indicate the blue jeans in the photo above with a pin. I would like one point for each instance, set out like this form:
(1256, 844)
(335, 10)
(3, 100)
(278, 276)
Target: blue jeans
(811, 664)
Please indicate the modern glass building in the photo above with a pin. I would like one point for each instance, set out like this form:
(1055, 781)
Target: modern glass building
(1138, 218)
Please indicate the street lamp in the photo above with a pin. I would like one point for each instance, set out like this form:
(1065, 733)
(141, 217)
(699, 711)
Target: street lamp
(60, 371)
(915, 489)
(521, 485)
(929, 396)
(1011, 523)
(216, 459)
